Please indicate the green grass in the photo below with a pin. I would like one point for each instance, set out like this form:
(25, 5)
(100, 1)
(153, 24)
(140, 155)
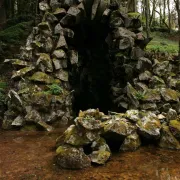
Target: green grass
(161, 43)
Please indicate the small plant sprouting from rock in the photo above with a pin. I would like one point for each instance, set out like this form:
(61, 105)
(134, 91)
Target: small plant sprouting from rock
(55, 89)
(140, 95)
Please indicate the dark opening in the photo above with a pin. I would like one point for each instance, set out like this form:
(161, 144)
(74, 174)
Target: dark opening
(92, 78)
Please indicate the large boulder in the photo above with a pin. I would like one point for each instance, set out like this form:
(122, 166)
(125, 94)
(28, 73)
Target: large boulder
(167, 140)
(72, 158)
(131, 143)
(149, 125)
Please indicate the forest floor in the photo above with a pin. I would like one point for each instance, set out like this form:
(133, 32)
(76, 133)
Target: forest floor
(29, 156)
(163, 42)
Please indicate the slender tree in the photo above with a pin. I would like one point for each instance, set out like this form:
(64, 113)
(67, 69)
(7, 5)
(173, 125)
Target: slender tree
(177, 3)
(2, 14)
(147, 17)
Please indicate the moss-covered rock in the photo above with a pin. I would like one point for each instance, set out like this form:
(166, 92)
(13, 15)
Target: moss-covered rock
(44, 62)
(151, 95)
(75, 137)
(42, 77)
(149, 125)
(72, 158)
(119, 126)
(131, 143)
(169, 95)
(89, 123)
(101, 151)
(174, 126)
(22, 72)
(167, 140)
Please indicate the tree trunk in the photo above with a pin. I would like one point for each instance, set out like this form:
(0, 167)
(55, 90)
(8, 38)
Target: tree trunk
(177, 3)
(164, 10)
(2, 14)
(169, 16)
(160, 11)
(147, 16)
(153, 13)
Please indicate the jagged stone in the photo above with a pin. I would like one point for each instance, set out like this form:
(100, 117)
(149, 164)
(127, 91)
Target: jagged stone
(169, 95)
(57, 29)
(101, 152)
(122, 32)
(171, 114)
(42, 77)
(119, 126)
(17, 62)
(22, 72)
(44, 6)
(62, 43)
(75, 137)
(141, 86)
(48, 45)
(125, 43)
(149, 106)
(156, 82)
(116, 20)
(131, 143)
(44, 26)
(167, 140)
(68, 20)
(73, 56)
(72, 158)
(161, 68)
(132, 114)
(145, 76)
(49, 17)
(149, 126)
(62, 75)
(144, 64)
(137, 53)
(132, 94)
(75, 12)
(18, 121)
(44, 62)
(59, 54)
(151, 95)
(67, 32)
(60, 12)
(174, 127)
(55, 4)
(89, 123)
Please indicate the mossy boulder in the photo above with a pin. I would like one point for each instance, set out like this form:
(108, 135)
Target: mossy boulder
(22, 72)
(44, 62)
(156, 82)
(132, 114)
(151, 95)
(89, 123)
(101, 152)
(42, 78)
(170, 95)
(131, 142)
(167, 139)
(72, 158)
(149, 125)
(174, 126)
(118, 126)
(75, 137)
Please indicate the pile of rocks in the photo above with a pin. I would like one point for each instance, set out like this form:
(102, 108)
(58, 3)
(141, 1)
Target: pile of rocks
(85, 141)
(42, 92)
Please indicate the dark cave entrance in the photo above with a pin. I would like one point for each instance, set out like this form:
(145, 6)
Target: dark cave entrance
(91, 80)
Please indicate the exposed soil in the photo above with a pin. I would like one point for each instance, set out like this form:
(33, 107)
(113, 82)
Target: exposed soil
(29, 156)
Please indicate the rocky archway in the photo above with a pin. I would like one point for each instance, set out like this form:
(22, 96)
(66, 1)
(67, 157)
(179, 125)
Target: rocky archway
(78, 57)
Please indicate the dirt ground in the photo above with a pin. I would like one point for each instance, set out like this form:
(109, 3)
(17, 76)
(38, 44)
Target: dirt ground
(29, 156)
